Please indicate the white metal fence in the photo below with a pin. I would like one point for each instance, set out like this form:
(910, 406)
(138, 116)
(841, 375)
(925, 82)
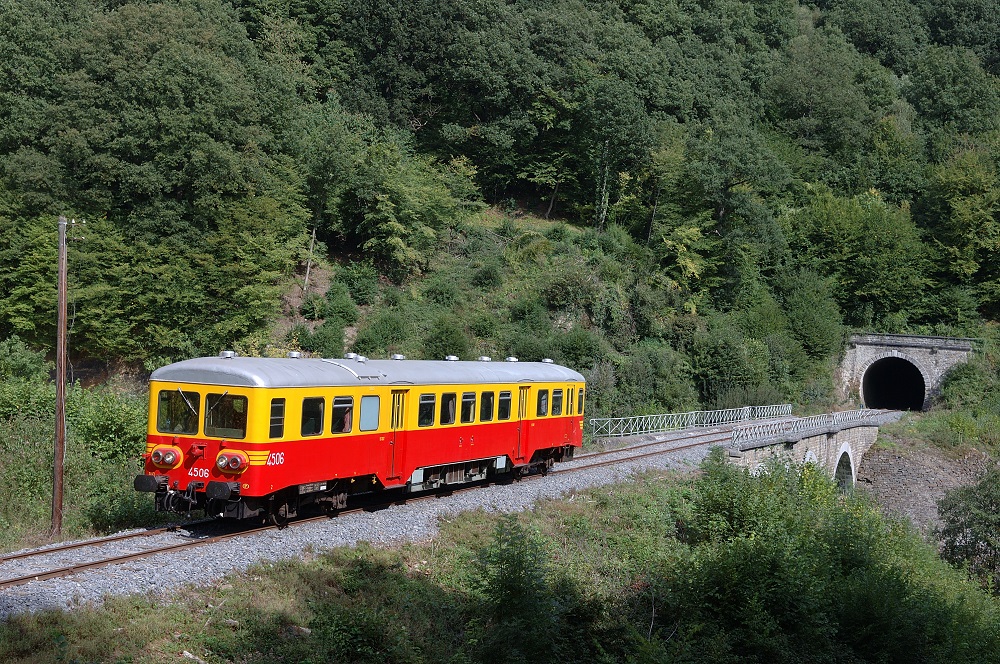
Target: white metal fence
(613, 427)
(805, 425)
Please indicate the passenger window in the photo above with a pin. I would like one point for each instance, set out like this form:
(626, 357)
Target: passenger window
(543, 403)
(369, 414)
(226, 416)
(468, 407)
(343, 414)
(178, 411)
(579, 403)
(312, 416)
(277, 418)
(557, 402)
(448, 408)
(486, 407)
(503, 408)
(425, 413)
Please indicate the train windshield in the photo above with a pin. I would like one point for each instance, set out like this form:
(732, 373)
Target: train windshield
(177, 412)
(226, 416)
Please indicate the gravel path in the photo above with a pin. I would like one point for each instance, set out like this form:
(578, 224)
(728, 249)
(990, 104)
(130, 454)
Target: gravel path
(411, 522)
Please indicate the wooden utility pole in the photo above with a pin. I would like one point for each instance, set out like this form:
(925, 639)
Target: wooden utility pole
(60, 447)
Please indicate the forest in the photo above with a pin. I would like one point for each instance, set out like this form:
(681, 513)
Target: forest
(706, 193)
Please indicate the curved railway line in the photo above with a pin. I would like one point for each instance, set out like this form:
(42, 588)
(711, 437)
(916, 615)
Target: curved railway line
(46, 571)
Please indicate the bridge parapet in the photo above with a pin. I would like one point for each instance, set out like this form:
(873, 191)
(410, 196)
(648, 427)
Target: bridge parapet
(790, 431)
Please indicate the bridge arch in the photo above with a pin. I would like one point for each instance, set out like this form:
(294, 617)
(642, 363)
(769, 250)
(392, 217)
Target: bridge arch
(896, 381)
(844, 475)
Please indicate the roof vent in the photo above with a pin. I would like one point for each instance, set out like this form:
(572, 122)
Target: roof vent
(294, 354)
(510, 359)
(227, 354)
(451, 358)
(350, 356)
(397, 356)
(547, 360)
(361, 358)
(485, 358)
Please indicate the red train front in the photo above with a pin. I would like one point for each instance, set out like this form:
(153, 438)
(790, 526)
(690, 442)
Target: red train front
(248, 437)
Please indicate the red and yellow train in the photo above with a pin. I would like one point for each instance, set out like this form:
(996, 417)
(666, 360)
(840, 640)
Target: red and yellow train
(263, 437)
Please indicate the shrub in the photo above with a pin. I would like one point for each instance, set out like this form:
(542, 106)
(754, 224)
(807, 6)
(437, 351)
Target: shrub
(361, 280)
(313, 307)
(339, 305)
(384, 331)
(327, 340)
(446, 337)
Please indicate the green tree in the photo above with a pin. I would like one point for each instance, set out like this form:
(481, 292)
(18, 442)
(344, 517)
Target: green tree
(970, 519)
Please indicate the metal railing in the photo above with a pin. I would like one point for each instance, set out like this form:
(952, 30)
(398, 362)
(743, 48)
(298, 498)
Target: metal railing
(613, 427)
(806, 425)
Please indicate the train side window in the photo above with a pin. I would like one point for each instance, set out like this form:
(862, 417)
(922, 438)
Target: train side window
(468, 407)
(312, 415)
(543, 403)
(448, 403)
(277, 418)
(557, 402)
(579, 403)
(369, 413)
(226, 416)
(425, 412)
(569, 401)
(343, 414)
(503, 408)
(486, 407)
(177, 411)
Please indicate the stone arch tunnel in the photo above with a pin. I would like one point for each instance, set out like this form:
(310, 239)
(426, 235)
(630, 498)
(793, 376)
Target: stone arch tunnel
(893, 383)
(897, 371)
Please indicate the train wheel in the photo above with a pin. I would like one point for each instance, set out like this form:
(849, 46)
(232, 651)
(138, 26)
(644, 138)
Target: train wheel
(279, 517)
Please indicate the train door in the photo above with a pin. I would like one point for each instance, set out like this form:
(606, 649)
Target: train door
(568, 411)
(397, 435)
(522, 421)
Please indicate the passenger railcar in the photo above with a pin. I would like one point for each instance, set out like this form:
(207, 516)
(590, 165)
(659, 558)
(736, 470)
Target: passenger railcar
(262, 437)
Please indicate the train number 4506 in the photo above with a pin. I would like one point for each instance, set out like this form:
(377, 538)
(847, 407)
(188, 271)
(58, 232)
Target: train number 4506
(275, 458)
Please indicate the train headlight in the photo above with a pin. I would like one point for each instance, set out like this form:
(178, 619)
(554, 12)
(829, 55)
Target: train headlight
(166, 456)
(232, 461)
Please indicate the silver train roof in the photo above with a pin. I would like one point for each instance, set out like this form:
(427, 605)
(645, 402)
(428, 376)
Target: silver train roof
(311, 372)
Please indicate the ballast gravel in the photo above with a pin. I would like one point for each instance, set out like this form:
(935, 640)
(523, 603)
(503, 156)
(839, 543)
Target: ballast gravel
(414, 521)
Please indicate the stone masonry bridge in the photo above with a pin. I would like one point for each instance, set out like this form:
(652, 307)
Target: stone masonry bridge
(899, 371)
(835, 442)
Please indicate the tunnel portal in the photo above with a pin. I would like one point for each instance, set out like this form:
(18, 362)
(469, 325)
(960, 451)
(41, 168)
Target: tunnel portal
(893, 383)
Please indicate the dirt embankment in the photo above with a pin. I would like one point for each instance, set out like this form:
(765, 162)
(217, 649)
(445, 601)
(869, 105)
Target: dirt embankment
(908, 480)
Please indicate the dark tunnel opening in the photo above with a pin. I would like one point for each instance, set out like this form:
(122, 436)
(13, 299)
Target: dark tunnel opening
(893, 383)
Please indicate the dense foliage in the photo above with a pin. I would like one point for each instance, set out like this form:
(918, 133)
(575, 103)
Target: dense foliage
(769, 161)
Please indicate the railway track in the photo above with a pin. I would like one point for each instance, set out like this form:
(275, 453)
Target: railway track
(52, 570)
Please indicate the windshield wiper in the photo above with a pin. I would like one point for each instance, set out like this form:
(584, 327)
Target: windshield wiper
(217, 402)
(193, 411)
